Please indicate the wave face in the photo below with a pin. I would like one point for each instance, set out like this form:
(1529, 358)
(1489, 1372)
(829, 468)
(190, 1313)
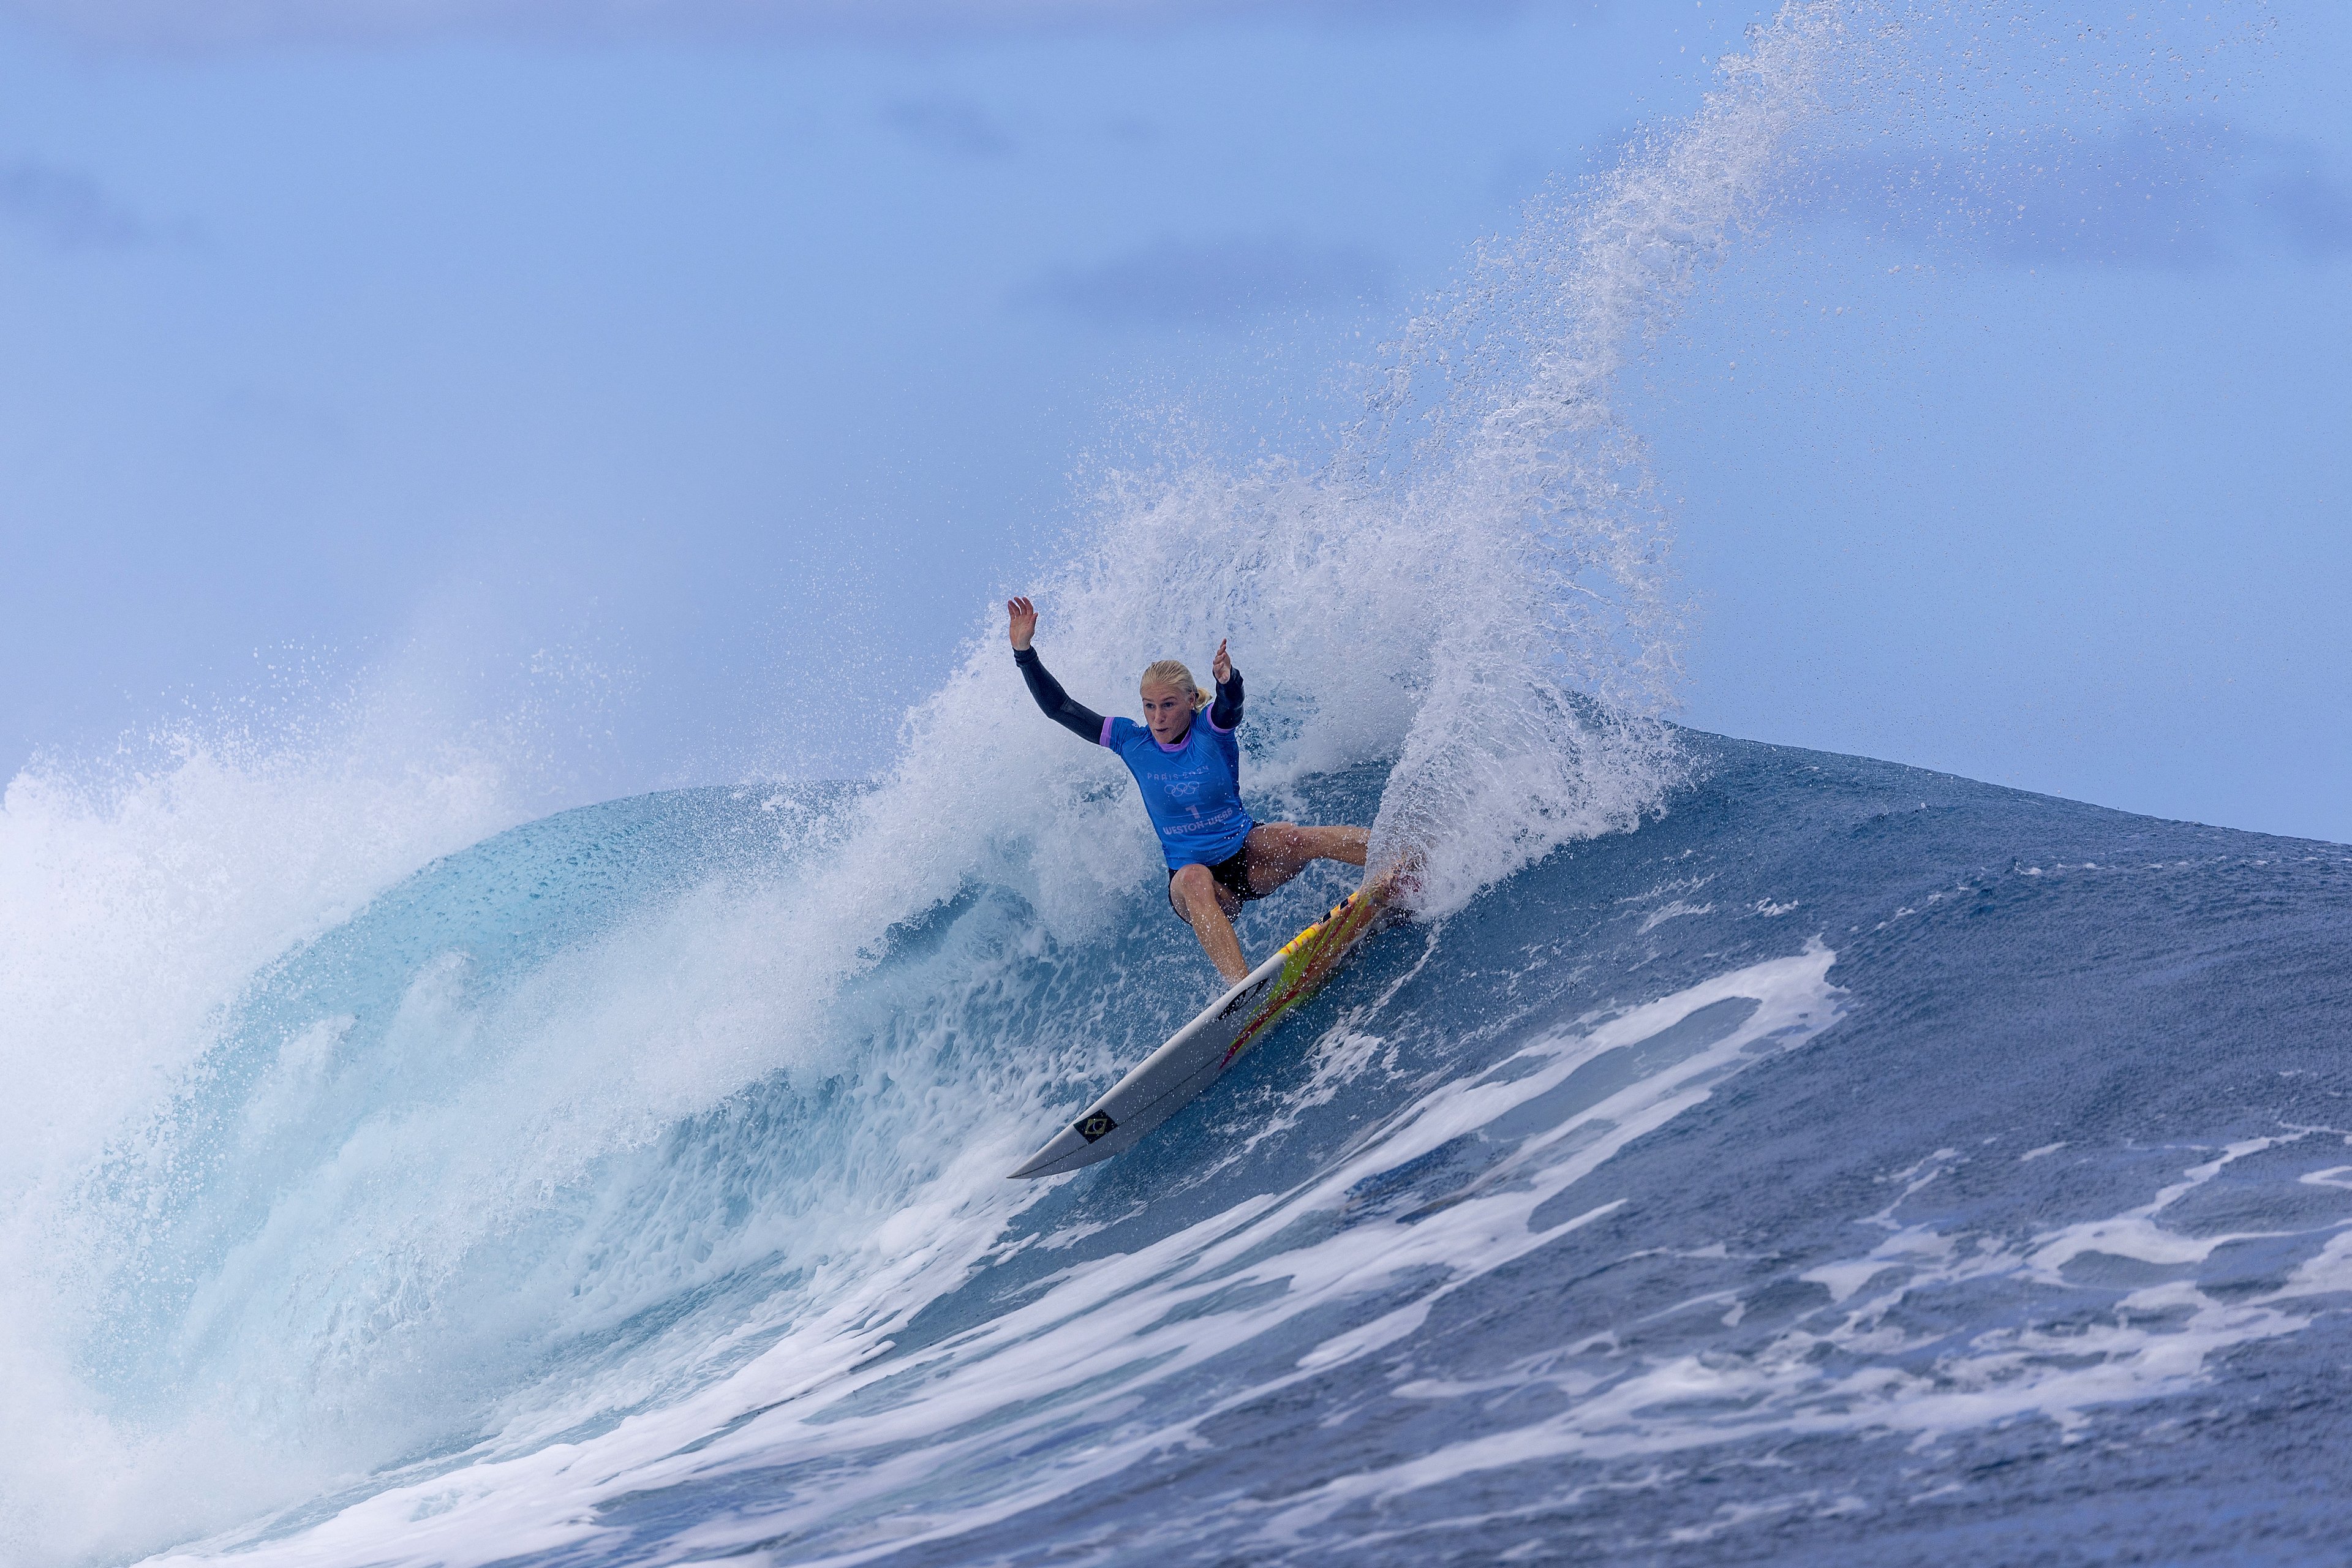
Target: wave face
(1748, 1152)
(1851, 1163)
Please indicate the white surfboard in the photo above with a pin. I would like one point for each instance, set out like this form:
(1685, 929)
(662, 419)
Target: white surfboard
(1196, 1054)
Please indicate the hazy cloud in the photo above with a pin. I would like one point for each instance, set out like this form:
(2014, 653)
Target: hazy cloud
(1220, 283)
(954, 125)
(69, 210)
(2152, 195)
(227, 23)
(2314, 211)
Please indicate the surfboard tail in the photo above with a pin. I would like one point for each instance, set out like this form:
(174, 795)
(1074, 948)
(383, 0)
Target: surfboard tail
(1396, 881)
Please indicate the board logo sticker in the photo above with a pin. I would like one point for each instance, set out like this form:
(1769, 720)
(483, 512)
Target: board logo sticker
(1093, 1127)
(1244, 1000)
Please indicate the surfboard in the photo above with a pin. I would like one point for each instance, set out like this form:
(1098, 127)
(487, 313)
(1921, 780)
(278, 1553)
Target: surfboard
(1193, 1058)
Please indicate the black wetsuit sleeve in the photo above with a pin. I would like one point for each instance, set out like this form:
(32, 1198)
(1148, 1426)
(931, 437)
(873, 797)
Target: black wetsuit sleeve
(1078, 719)
(1227, 712)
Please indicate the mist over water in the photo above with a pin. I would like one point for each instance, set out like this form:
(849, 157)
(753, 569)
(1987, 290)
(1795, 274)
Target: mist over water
(394, 1178)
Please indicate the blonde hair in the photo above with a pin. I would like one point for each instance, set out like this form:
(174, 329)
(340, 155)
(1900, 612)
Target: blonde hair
(1171, 673)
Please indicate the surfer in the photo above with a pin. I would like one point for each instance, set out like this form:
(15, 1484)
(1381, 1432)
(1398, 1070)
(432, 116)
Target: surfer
(1189, 773)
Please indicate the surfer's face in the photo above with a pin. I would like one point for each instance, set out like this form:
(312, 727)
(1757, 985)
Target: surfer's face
(1168, 711)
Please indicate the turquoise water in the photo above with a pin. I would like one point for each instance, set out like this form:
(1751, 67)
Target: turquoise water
(1848, 1163)
(1745, 1156)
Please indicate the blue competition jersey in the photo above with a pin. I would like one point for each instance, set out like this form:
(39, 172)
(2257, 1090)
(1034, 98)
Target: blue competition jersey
(1194, 792)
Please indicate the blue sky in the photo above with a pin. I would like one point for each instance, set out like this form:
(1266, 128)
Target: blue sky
(711, 364)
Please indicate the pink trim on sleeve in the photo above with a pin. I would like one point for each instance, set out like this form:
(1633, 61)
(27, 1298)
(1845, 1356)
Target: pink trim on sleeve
(1210, 714)
(1104, 739)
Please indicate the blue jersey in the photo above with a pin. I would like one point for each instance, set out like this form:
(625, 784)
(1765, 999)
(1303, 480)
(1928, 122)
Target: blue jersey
(1192, 789)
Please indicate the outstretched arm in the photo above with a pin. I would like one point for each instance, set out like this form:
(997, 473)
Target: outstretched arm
(1078, 719)
(1227, 712)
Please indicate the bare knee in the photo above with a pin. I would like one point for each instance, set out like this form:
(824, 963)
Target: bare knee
(1192, 884)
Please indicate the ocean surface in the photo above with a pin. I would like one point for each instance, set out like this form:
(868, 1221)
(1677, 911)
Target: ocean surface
(1744, 1154)
(1848, 1165)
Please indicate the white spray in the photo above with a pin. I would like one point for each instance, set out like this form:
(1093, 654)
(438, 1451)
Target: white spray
(1475, 588)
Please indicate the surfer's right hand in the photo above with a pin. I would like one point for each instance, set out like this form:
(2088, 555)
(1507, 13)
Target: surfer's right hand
(1022, 616)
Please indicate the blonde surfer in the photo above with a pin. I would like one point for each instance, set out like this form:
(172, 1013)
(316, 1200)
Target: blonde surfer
(1188, 766)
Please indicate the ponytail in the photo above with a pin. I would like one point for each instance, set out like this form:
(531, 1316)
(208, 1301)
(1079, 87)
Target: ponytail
(1171, 672)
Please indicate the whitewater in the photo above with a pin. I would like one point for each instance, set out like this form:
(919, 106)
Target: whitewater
(1745, 1154)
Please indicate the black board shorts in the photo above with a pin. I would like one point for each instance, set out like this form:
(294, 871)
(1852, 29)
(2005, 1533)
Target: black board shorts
(1232, 874)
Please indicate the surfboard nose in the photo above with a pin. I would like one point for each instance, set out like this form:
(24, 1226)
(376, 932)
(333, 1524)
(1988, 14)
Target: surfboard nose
(1054, 1157)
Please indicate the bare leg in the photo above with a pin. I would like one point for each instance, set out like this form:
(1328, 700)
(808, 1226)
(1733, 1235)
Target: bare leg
(1278, 851)
(1203, 903)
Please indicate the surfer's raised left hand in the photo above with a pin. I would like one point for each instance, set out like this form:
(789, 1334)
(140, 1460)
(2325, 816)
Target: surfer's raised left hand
(1221, 667)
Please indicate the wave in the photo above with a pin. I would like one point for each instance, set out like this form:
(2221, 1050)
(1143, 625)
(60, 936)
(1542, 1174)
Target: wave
(1740, 1135)
(1845, 1133)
